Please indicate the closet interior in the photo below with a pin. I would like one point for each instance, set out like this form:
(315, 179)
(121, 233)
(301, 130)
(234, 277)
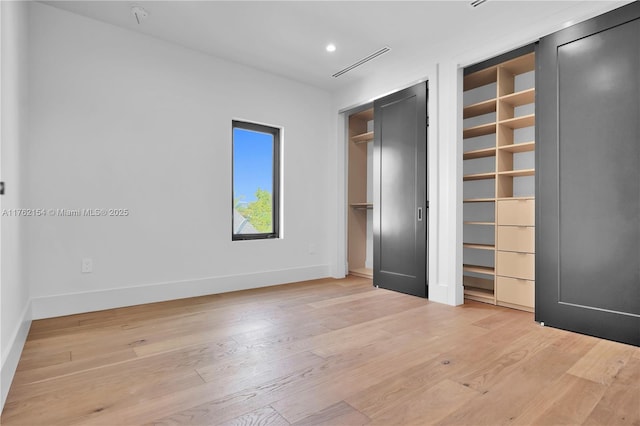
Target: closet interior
(360, 194)
(498, 182)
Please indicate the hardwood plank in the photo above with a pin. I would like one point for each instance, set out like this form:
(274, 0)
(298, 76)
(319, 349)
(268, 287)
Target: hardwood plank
(44, 360)
(391, 395)
(429, 406)
(620, 404)
(509, 395)
(265, 416)
(569, 401)
(602, 363)
(340, 413)
(235, 368)
(73, 367)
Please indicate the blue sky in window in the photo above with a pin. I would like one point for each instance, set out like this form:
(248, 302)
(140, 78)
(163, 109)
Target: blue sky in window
(252, 163)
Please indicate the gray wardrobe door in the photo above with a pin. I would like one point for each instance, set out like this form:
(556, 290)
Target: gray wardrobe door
(400, 207)
(588, 177)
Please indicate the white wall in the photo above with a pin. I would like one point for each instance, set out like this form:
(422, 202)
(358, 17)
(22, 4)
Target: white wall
(444, 72)
(123, 120)
(15, 315)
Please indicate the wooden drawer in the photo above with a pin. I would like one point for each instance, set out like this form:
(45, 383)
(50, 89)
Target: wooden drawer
(515, 265)
(516, 238)
(515, 291)
(516, 212)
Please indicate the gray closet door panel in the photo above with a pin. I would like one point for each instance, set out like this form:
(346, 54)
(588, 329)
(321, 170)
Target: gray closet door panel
(398, 187)
(588, 177)
(599, 179)
(400, 205)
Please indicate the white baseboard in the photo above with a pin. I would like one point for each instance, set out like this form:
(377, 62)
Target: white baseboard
(75, 303)
(11, 354)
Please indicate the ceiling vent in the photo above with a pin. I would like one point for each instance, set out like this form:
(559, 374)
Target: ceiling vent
(362, 61)
(476, 3)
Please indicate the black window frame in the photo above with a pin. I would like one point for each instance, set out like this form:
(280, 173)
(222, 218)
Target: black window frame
(275, 196)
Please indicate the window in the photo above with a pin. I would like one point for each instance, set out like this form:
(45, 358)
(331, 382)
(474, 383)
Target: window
(256, 181)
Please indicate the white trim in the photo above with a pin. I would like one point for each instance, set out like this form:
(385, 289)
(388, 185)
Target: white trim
(11, 354)
(75, 303)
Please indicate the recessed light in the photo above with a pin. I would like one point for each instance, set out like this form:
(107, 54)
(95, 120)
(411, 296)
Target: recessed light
(331, 47)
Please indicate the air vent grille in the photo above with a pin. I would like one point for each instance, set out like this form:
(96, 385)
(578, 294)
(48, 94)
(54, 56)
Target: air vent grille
(362, 61)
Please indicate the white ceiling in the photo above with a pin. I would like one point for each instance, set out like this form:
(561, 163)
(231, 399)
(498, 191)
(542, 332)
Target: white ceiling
(289, 37)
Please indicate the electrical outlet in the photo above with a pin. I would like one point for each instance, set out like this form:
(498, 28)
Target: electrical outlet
(87, 265)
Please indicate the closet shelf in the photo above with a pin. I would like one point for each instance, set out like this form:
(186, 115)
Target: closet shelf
(519, 147)
(515, 198)
(481, 130)
(479, 153)
(521, 64)
(481, 78)
(480, 108)
(518, 173)
(479, 294)
(479, 176)
(471, 222)
(520, 98)
(366, 115)
(487, 270)
(519, 122)
(359, 206)
(479, 246)
(362, 138)
(478, 200)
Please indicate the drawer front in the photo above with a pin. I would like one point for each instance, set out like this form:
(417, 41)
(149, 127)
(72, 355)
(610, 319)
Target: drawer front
(518, 292)
(516, 212)
(516, 238)
(515, 265)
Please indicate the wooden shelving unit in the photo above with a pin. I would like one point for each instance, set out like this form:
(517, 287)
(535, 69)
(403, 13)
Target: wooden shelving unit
(358, 232)
(508, 282)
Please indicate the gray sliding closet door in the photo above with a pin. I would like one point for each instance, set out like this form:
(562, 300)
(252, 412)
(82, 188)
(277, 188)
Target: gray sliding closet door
(588, 177)
(400, 206)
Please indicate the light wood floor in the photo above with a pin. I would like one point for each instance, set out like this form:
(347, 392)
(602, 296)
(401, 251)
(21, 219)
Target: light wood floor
(334, 352)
